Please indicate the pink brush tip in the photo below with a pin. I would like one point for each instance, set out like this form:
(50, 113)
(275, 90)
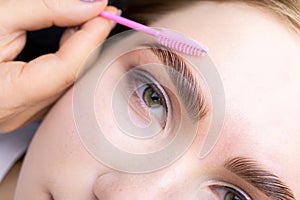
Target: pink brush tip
(181, 43)
(165, 37)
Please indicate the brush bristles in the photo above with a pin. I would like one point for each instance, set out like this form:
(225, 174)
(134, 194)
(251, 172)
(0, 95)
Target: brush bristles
(181, 43)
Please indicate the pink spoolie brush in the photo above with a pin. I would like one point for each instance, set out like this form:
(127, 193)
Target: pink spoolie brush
(165, 37)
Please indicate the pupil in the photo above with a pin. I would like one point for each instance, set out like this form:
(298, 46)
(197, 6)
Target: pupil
(151, 98)
(155, 97)
(236, 198)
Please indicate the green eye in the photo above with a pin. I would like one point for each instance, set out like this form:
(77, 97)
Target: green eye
(152, 98)
(231, 196)
(227, 191)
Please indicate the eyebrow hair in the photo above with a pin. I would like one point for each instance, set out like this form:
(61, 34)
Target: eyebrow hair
(268, 183)
(186, 83)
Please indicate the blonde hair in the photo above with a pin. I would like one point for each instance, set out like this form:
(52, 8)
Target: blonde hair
(147, 11)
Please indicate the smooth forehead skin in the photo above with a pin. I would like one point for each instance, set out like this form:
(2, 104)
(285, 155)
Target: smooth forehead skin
(256, 56)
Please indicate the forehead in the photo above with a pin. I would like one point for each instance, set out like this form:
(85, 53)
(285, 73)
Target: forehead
(257, 58)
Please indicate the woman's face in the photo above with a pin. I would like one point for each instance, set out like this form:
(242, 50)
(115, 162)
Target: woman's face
(256, 156)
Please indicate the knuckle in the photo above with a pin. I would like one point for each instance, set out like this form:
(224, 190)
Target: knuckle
(70, 79)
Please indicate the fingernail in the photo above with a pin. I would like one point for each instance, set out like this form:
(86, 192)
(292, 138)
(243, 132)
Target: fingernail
(91, 0)
(119, 13)
(74, 29)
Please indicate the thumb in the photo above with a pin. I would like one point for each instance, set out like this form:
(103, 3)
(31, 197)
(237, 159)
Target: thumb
(20, 15)
(29, 83)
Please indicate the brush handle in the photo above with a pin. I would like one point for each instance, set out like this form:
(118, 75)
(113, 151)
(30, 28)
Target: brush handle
(130, 23)
(164, 37)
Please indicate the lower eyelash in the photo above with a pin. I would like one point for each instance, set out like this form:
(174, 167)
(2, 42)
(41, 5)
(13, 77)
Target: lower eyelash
(138, 77)
(137, 99)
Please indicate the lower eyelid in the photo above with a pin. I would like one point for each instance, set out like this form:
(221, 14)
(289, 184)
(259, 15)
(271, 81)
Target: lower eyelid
(138, 100)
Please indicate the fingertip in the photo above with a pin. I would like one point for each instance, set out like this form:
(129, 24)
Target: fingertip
(112, 9)
(115, 11)
(99, 28)
(80, 43)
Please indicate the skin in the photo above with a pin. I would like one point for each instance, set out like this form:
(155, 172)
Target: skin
(257, 61)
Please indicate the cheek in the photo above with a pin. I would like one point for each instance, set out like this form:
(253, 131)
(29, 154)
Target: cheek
(179, 181)
(56, 158)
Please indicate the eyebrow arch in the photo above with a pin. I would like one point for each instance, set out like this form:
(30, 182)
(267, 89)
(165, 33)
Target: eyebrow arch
(186, 83)
(263, 180)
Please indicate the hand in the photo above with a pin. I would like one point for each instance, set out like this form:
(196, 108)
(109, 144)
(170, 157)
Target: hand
(27, 89)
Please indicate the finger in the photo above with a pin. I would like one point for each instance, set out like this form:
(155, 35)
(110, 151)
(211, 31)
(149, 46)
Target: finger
(37, 14)
(52, 73)
(11, 45)
(67, 34)
(70, 31)
(31, 114)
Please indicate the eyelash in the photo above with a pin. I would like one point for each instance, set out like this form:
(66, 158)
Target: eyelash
(141, 80)
(222, 189)
(219, 188)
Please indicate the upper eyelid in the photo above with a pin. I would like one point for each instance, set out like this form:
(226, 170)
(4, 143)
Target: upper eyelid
(266, 182)
(188, 87)
(218, 183)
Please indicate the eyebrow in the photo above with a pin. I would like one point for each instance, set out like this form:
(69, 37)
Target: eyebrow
(186, 83)
(252, 172)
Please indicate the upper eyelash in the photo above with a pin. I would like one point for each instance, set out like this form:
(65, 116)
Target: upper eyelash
(218, 183)
(169, 58)
(237, 191)
(155, 88)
